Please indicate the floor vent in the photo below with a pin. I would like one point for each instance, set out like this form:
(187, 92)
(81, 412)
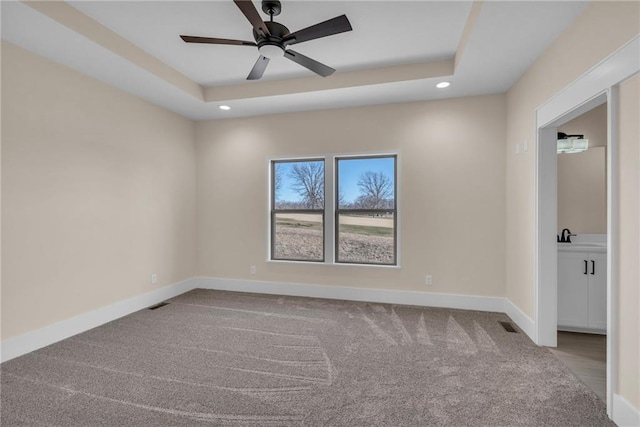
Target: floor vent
(508, 326)
(157, 306)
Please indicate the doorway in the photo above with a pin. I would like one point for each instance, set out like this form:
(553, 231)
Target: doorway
(568, 299)
(594, 88)
(582, 252)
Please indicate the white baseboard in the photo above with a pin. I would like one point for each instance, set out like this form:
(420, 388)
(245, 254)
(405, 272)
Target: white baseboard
(582, 330)
(523, 321)
(25, 343)
(466, 302)
(624, 413)
(22, 344)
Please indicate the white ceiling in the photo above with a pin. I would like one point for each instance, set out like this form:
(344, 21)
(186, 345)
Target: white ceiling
(505, 40)
(421, 31)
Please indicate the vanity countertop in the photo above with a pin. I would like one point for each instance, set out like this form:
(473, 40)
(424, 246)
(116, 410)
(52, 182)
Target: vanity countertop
(590, 247)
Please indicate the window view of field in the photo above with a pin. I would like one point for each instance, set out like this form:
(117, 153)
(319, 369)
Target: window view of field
(299, 236)
(366, 200)
(298, 189)
(366, 239)
(366, 206)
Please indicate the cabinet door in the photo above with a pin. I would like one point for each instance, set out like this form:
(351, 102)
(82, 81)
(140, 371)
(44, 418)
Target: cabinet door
(598, 291)
(572, 290)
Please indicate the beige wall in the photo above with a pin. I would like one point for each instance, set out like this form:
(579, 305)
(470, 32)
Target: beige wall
(1, 335)
(629, 234)
(592, 124)
(582, 177)
(601, 29)
(451, 178)
(98, 192)
(598, 32)
(582, 191)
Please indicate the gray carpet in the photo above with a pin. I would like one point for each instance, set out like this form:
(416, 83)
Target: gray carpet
(224, 358)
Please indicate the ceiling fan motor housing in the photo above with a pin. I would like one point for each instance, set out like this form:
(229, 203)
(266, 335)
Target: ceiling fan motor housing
(271, 7)
(273, 38)
(271, 46)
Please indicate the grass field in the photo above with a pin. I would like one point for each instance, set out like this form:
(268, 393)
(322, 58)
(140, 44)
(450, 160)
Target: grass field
(366, 230)
(295, 223)
(362, 239)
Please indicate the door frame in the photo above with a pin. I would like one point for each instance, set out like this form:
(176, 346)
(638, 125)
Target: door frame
(598, 85)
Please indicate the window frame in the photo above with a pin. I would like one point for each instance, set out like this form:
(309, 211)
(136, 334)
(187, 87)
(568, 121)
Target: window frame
(330, 212)
(274, 211)
(337, 210)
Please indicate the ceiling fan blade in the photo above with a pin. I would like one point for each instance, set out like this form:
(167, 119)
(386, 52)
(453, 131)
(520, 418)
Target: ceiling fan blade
(311, 64)
(333, 26)
(258, 68)
(250, 11)
(211, 40)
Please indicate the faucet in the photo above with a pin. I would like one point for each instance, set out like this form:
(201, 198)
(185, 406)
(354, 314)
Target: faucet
(566, 238)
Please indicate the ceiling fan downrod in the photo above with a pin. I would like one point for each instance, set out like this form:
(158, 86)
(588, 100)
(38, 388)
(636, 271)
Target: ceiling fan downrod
(273, 39)
(271, 8)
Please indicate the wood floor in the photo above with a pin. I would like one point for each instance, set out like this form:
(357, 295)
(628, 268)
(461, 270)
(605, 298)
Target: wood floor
(586, 356)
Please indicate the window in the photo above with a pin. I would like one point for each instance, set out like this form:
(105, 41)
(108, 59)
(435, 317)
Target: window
(365, 217)
(297, 213)
(362, 229)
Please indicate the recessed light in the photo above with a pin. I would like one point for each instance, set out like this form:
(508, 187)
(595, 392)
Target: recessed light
(224, 107)
(442, 85)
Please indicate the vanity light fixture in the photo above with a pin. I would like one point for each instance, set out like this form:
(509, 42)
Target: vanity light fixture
(224, 107)
(569, 144)
(442, 85)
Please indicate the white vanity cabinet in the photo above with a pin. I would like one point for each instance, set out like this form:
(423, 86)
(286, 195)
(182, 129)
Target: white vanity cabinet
(582, 289)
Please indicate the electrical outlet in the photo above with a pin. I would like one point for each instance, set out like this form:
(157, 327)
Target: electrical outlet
(525, 145)
(427, 279)
(154, 278)
(252, 269)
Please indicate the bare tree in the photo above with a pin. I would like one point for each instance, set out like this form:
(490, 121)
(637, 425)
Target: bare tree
(308, 182)
(277, 186)
(376, 189)
(342, 202)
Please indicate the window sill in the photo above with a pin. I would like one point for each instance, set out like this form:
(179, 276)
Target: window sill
(332, 264)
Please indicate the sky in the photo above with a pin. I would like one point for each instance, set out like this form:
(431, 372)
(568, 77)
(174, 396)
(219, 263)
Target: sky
(349, 170)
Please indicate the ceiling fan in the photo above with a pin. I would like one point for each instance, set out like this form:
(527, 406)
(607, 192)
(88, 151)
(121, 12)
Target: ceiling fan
(272, 38)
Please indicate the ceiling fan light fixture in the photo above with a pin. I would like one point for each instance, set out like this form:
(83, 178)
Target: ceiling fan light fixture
(442, 85)
(272, 38)
(271, 51)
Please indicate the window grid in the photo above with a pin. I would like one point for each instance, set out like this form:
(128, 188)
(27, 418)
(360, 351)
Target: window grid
(338, 210)
(275, 211)
(331, 230)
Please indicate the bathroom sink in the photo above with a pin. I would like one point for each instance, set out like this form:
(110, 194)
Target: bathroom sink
(582, 246)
